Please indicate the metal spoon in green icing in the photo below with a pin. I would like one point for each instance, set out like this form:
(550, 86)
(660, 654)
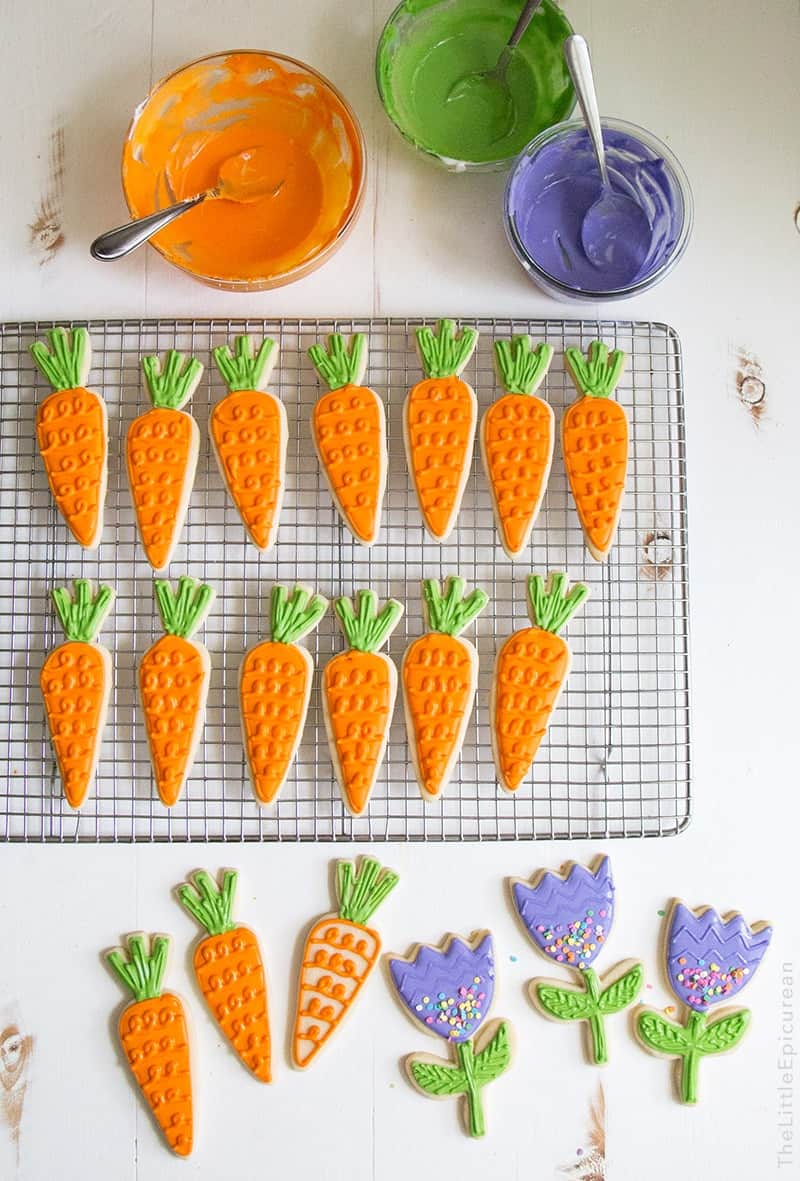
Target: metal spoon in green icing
(491, 86)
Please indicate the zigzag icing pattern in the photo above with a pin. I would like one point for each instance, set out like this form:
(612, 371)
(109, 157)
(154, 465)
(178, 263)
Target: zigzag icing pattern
(701, 936)
(558, 899)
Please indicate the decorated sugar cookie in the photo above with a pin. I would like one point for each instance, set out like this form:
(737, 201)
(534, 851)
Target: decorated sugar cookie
(154, 1037)
(348, 426)
(568, 916)
(448, 990)
(76, 685)
(249, 434)
(594, 439)
(440, 675)
(709, 959)
(358, 694)
(531, 670)
(173, 684)
(275, 688)
(339, 954)
(72, 433)
(517, 436)
(439, 419)
(162, 447)
(230, 971)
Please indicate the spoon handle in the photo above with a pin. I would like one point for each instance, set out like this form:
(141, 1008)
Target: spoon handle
(116, 243)
(579, 64)
(525, 18)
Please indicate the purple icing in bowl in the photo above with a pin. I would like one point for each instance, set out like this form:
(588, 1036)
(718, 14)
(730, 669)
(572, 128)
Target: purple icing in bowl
(556, 181)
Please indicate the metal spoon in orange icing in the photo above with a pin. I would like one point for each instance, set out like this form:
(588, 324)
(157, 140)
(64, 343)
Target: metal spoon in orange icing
(286, 147)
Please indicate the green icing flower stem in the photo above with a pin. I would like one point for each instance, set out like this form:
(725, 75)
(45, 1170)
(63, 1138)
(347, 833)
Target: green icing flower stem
(64, 363)
(597, 376)
(466, 1058)
(240, 370)
(361, 891)
(367, 629)
(336, 365)
(690, 1061)
(211, 905)
(443, 353)
(292, 616)
(450, 612)
(82, 616)
(597, 1027)
(171, 387)
(551, 607)
(522, 368)
(183, 611)
(142, 972)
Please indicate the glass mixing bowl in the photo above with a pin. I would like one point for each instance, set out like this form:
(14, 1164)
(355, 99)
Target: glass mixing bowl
(217, 108)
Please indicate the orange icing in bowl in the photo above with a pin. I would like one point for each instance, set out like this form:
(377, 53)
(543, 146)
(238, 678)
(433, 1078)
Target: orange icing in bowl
(292, 125)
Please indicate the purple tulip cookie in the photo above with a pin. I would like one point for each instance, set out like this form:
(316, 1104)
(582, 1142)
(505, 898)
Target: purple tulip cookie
(709, 958)
(448, 990)
(568, 917)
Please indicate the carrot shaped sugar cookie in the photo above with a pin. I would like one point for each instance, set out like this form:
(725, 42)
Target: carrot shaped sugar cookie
(249, 434)
(348, 426)
(162, 447)
(76, 685)
(531, 670)
(517, 435)
(439, 419)
(339, 954)
(358, 695)
(448, 990)
(173, 684)
(440, 675)
(72, 433)
(594, 439)
(275, 687)
(155, 1039)
(230, 971)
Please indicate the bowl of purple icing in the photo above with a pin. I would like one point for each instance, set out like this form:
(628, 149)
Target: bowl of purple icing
(555, 182)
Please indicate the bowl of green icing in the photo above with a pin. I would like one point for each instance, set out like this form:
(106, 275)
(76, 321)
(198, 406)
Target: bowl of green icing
(429, 46)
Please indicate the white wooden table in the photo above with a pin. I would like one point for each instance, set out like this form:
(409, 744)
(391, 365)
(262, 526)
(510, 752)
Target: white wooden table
(718, 81)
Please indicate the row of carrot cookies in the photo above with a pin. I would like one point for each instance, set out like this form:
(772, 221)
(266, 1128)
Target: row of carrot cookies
(439, 675)
(248, 431)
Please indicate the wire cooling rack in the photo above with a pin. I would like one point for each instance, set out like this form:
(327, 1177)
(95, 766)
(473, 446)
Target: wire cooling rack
(616, 760)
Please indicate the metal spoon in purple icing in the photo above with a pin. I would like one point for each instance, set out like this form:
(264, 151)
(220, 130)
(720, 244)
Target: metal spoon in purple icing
(616, 233)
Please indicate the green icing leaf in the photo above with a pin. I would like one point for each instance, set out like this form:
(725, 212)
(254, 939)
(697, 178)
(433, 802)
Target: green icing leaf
(438, 1080)
(450, 611)
(242, 369)
(337, 365)
(565, 1003)
(724, 1033)
(495, 1056)
(521, 367)
(597, 374)
(445, 352)
(662, 1036)
(550, 603)
(623, 991)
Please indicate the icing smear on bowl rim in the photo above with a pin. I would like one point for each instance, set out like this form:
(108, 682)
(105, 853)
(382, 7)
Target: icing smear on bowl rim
(247, 101)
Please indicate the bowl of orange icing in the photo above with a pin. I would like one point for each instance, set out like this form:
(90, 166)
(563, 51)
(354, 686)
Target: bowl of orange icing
(278, 143)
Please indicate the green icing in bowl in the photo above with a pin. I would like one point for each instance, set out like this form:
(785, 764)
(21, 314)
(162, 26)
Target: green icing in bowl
(428, 46)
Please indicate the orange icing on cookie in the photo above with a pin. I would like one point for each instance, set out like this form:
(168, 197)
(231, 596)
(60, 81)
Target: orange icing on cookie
(440, 427)
(155, 1040)
(71, 431)
(274, 687)
(518, 447)
(359, 695)
(230, 973)
(246, 429)
(348, 432)
(531, 669)
(338, 957)
(159, 448)
(173, 681)
(75, 688)
(289, 122)
(595, 444)
(438, 686)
